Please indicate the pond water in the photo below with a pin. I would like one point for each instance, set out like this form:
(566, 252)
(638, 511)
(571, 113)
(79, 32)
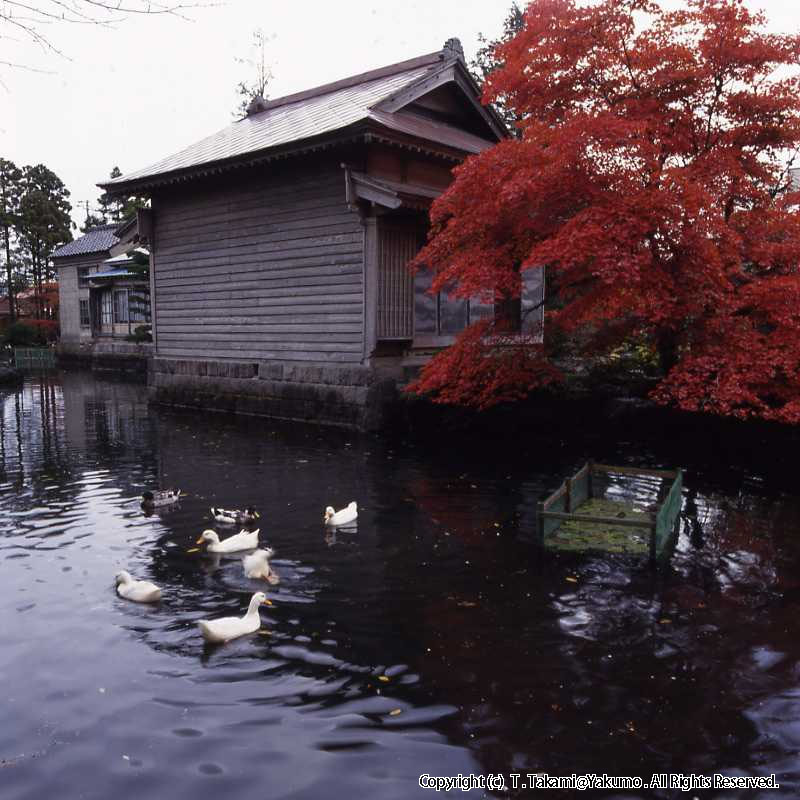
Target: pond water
(498, 659)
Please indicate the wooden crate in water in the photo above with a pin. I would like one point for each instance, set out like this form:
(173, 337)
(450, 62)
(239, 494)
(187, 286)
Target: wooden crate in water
(577, 516)
(34, 357)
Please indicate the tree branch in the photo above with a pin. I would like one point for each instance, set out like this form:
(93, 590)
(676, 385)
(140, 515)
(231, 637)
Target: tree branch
(29, 17)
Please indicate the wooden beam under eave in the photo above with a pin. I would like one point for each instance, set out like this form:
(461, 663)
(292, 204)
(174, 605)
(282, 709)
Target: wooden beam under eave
(370, 285)
(375, 195)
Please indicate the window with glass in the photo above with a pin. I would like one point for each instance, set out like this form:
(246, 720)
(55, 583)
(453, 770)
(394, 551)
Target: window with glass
(139, 304)
(437, 314)
(106, 308)
(84, 313)
(121, 305)
(442, 315)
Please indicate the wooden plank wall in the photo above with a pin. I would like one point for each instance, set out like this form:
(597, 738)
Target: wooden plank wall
(268, 267)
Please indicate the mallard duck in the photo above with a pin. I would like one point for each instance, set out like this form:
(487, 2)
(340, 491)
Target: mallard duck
(244, 540)
(234, 516)
(227, 628)
(257, 565)
(156, 499)
(342, 517)
(138, 591)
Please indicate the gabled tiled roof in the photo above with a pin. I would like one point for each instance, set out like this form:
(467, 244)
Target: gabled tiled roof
(313, 113)
(97, 240)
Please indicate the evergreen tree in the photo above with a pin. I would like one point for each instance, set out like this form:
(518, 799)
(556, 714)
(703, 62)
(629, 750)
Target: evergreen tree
(43, 224)
(487, 61)
(115, 208)
(91, 221)
(10, 178)
(110, 206)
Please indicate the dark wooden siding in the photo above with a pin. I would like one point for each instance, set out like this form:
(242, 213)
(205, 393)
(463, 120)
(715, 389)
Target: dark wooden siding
(268, 268)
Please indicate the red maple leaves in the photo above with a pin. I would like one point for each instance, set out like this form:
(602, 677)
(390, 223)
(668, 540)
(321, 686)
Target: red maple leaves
(651, 179)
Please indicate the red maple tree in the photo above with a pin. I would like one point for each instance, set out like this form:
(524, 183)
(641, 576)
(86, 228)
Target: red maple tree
(652, 179)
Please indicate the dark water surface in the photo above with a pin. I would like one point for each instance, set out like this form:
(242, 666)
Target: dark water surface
(499, 660)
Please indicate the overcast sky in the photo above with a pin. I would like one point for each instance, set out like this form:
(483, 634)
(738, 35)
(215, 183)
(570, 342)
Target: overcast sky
(133, 94)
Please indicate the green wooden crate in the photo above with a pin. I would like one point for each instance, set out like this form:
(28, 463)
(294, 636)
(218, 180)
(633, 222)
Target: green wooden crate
(576, 516)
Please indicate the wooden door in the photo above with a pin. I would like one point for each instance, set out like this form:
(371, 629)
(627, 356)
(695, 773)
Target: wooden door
(397, 245)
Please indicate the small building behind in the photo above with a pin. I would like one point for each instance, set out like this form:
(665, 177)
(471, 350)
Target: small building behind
(104, 289)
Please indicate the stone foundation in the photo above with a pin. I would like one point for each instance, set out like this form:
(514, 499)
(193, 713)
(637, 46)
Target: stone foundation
(352, 396)
(128, 358)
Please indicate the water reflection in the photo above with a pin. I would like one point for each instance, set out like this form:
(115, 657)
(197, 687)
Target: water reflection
(432, 638)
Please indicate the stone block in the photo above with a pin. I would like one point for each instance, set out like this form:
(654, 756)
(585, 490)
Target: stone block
(270, 371)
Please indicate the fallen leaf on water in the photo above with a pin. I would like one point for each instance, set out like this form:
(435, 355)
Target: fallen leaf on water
(395, 711)
(571, 579)
(384, 678)
(193, 550)
(665, 622)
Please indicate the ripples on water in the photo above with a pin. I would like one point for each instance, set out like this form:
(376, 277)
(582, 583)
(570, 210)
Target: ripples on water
(495, 661)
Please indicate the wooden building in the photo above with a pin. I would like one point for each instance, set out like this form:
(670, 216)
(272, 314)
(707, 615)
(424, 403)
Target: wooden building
(279, 245)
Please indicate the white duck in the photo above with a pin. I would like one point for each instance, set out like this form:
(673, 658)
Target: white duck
(227, 628)
(244, 540)
(342, 517)
(138, 591)
(229, 516)
(257, 565)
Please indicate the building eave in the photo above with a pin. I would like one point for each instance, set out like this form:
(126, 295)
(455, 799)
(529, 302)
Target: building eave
(92, 256)
(379, 132)
(365, 130)
(301, 147)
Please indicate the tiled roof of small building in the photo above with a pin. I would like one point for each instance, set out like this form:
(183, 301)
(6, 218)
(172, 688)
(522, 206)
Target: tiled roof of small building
(96, 240)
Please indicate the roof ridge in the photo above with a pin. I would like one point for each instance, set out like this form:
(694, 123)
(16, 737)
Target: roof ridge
(352, 80)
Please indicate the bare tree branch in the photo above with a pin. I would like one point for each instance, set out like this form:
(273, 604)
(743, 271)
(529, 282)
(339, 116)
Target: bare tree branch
(31, 16)
(13, 65)
(58, 17)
